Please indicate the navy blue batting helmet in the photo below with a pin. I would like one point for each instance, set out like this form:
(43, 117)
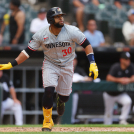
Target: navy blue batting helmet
(53, 12)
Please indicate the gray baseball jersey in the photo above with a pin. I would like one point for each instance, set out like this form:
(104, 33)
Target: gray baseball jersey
(59, 50)
(57, 69)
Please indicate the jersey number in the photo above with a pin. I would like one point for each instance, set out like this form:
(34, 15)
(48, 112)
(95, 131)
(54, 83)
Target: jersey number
(67, 51)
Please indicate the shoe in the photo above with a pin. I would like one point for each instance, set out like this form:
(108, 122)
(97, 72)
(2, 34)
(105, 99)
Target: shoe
(48, 122)
(123, 122)
(60, 107)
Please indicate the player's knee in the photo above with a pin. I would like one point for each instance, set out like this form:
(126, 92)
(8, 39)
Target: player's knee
(64, 98)
(49, 92)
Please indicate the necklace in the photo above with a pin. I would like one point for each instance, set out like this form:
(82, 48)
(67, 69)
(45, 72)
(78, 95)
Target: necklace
(53, 32)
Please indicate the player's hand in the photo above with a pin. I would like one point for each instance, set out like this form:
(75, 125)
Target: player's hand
(93, 70)
(5, 66)
(17, 101)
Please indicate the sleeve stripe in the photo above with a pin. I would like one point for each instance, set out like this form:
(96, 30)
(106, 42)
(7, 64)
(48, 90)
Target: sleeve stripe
(26, 53)
(31, 48)
(83, 41)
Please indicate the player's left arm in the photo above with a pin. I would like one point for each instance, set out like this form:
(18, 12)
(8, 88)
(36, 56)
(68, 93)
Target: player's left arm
(90, 55)
(79, 38)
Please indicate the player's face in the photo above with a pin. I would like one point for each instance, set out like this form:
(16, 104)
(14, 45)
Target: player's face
(125, 62)
(1, 73)
(59, 21)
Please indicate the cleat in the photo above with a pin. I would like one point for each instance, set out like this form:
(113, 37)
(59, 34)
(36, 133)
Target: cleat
(123, 122)
(48, 122)
(60, 107)
(46, 129)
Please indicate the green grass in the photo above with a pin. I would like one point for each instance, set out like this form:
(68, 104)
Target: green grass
(66, 132)
(74, 125)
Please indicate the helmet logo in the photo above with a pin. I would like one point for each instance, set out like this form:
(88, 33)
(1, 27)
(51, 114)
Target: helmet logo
(59, 9)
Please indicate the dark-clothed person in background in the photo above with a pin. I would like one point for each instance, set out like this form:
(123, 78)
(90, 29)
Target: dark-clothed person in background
(122, 73)
(119, 3)
(16, 24)
(2, 12)
(80, 4)
(10, 104)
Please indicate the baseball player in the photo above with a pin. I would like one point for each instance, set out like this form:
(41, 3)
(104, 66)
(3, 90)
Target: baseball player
(122, 73)
(58, 43)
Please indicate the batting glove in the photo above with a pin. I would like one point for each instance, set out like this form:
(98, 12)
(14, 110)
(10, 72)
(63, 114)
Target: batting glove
(5, 66)
(93, 70)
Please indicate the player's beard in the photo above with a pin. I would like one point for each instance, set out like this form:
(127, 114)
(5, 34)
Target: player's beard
(58, 25)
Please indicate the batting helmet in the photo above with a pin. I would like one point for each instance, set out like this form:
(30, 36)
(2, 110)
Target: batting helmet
(53, 12)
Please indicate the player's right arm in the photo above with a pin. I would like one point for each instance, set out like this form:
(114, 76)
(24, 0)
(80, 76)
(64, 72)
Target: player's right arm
(21, 58)
(33, 45)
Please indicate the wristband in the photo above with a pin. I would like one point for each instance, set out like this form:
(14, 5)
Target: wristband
(91, 58)
(14, 63)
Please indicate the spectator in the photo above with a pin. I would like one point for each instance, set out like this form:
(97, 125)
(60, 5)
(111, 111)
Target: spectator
(12, 104)
(79, 75)
(40, 22)
(80, 4)
(122, 73)
(16, 24)
(119, 3)
(2, 12)
(94, 36)
(128, 28)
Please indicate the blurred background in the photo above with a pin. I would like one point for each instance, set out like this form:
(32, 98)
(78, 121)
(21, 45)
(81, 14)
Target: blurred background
(109, 27)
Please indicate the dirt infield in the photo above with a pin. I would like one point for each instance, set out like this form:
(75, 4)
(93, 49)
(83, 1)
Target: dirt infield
(67, 129)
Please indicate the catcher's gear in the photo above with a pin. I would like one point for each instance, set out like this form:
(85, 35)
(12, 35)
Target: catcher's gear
(93, 70)
(53, 12)
(5, 66)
